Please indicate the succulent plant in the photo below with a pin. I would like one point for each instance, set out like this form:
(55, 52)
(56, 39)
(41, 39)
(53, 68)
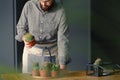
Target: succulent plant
(45, 69)
(49, 69)
(55, 67)
(46, 66)
(35, 69)
(28, 37)
(36, 66)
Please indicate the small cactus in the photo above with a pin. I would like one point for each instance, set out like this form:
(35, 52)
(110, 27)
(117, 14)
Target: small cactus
(55, 67)
(46, 66)
(35, 69)
(55, 70)
(29, 37)
(36, 66)
(45, 69)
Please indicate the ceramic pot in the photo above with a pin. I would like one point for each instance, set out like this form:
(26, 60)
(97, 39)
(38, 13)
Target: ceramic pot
(32, 43)
(35, 73)
(43, 73)
(54, 73)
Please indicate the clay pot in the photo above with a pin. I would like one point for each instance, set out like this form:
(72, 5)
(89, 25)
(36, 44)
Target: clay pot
(43, 73)
(32, 43)
(35, 73)
(54, 73)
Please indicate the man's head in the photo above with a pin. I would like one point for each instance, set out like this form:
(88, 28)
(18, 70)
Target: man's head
(46, 4)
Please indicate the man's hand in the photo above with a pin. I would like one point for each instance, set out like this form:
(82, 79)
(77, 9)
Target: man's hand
(63, 70)
(28, 44)
(62, 67)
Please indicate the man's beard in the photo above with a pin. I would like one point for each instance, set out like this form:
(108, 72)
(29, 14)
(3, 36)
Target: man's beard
(46, 8)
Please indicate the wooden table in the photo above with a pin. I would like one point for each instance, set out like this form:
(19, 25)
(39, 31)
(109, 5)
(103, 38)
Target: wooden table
(71, 75)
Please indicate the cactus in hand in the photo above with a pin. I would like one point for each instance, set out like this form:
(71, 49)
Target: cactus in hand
(29, 37)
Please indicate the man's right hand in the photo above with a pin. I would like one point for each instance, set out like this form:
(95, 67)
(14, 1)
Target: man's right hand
(28, 44)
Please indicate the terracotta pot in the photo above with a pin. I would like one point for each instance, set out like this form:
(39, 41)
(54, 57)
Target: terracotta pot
(35, 73)
(54, 73)
(32, 43)
(43, 73)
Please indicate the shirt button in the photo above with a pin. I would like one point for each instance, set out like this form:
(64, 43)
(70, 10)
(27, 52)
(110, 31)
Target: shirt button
(41, 21)
(41, 30)
(40, 37)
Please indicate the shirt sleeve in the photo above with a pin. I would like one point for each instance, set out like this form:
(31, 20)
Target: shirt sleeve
(22, 25)
(63, 41)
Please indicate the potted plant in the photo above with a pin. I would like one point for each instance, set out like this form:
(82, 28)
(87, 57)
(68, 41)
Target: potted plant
(29, 38)
(45, 69)
(55, 70)
(35, 69)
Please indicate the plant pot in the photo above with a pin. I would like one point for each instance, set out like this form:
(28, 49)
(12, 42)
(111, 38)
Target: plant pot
(43, 73)
(54, 73)
(35, 73)
(32, 43)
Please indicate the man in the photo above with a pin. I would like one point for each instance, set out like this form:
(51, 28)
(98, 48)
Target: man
(46, 21)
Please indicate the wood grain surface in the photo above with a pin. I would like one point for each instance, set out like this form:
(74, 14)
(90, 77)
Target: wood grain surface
(71, 75)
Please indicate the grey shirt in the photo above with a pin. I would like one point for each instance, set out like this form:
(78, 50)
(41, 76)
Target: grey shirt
(48, 26)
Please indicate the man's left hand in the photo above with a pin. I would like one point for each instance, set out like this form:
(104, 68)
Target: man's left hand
(62, 66)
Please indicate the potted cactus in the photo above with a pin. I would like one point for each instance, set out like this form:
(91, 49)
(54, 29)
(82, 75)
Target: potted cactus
(55, 70)
(29, 38)
(35, 69)
(45, 69)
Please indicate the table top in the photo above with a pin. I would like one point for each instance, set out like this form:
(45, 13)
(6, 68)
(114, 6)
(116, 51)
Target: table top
(71, 75)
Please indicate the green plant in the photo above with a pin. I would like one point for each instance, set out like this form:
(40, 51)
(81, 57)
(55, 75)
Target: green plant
(35, 69)
(36, 66)
(46, 66)
(45, 69)
(55, 70)
(55, 67)
(29, 37)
